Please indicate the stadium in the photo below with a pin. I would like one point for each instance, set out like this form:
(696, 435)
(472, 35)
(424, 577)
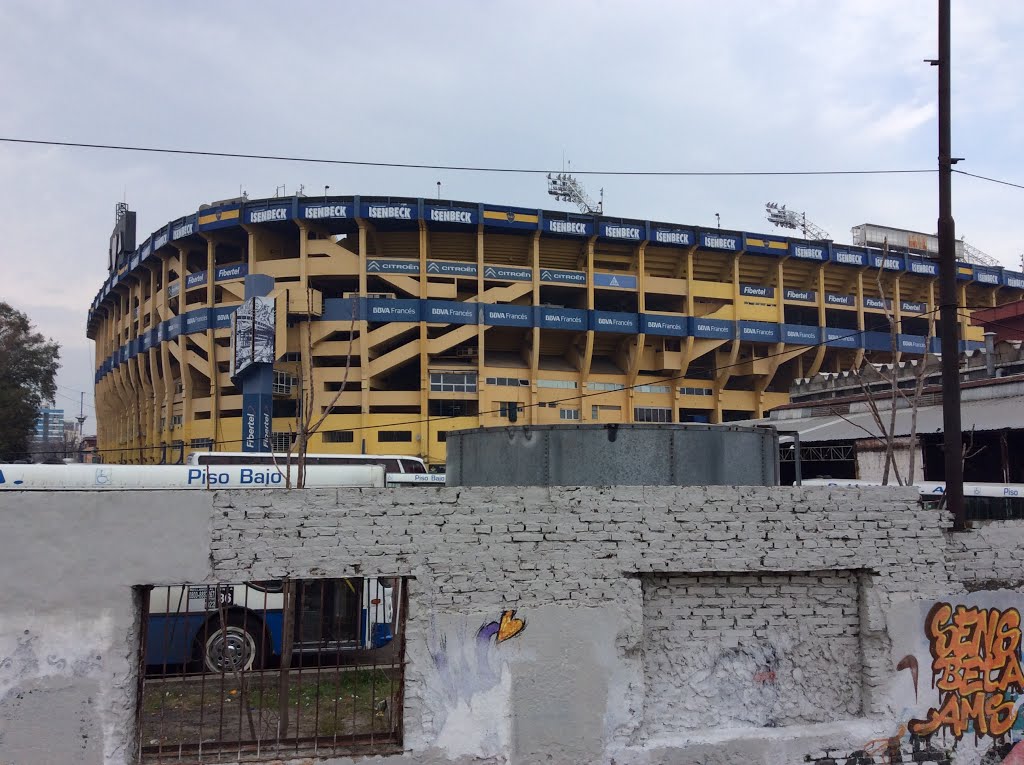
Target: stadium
(407, 318)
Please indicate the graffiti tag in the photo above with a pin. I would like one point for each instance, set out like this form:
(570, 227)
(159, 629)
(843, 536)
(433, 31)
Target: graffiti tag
(975, 665)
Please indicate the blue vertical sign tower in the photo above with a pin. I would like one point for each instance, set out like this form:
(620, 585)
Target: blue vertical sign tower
(252, 361)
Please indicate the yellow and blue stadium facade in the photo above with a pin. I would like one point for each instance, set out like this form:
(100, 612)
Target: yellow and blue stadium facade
(406, 318)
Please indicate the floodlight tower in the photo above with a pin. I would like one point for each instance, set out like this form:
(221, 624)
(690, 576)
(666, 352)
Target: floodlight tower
(565, 188)
(783, 218)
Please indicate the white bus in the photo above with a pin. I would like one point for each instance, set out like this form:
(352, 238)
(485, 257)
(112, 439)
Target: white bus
(240, 627)
(402, 470)
(147, 477)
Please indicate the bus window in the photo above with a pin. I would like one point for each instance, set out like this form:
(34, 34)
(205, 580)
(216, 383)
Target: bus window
(412, 466)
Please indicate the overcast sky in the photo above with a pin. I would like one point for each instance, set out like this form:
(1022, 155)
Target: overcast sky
(713, 86)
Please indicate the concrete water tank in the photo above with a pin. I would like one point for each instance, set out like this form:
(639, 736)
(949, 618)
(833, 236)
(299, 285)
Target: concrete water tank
(613, 455)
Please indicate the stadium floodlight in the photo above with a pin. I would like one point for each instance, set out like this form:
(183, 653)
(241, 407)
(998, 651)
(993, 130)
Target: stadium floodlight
(565, 188)
(782, 217)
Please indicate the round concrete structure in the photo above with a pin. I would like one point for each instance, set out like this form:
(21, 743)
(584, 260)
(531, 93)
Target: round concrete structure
(613, 455)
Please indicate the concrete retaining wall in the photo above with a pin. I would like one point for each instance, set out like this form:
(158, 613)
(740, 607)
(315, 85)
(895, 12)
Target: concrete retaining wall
(659, 624)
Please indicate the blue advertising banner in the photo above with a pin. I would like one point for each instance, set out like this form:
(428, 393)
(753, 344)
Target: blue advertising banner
(562, 318)
(257, 420)
(508, 315)
(922, 267)
(912, 307)
(325, 210)
(233, 271)
(568, 227)
(986, 275)
(268, 214)
(378, 309)
(219, 217)
(554, 276)
(388, 211)
(656, 324)
(173, 327)
(801, 296)
(633, 232)
(508, 273)
(154, 337)
(460, 215)
(913, 344)
(1012, 279)
(804, 251)
(712, 328)
(833, 300)
(767, 245)
(183, 227)
(613, 321)
(964, 271)
(197, 320)
(222, 317)
(195, 280)
(147, 341)
(161, 238)
(679, 237)
(379, 266)
(450, 312)
(760, 332)
(848, 257)
(622, 281)
(799, 334)
(757, 290)
(146, 249)
(842, 338)
(341, 309)
(877, 341)
(885, 262)
(716, 240)
(450, 268)
(134, 262)
(877, 303)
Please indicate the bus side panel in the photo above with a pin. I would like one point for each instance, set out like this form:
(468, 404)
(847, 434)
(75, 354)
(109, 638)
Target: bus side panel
(274, 620)
(170, 637)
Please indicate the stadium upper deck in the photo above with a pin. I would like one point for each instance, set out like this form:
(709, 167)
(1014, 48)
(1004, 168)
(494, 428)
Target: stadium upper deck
(407, 318)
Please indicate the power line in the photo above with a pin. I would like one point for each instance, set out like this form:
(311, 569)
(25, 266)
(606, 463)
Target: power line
(462, 168)
(568, 399)
(991, 180)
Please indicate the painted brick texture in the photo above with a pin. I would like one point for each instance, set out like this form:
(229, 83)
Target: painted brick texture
(735, 650)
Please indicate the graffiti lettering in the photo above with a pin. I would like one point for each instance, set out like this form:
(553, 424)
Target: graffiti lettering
(975, 663)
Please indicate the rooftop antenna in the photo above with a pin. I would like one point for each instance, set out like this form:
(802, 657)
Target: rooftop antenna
(439, 190)
(565, 188)
(783, 218)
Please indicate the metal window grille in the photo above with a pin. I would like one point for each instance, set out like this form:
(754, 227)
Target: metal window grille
(283, 383)
(271, 670)
(201, 444)
(281, 442)
(394, 436)
(453, 382)
(652, 414)
(338, 436)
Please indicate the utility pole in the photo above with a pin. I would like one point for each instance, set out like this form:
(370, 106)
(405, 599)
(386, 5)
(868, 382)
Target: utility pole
(952, 437)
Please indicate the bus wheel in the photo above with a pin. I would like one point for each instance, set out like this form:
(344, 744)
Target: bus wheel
(234, 646)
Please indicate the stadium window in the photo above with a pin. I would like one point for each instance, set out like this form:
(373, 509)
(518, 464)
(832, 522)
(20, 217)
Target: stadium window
(453, 382)
(556, 383)
(605, 386)
(652, 414)
(283, 383)
(568, 414)
(511, 382)
(596, 409)
(442, 436)
(394, 436)
(505, 406)
(696, 391)
(338, 436)
(201, 444)
(651, 389)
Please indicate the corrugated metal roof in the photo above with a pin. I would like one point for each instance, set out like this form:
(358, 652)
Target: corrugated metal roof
(986, 414)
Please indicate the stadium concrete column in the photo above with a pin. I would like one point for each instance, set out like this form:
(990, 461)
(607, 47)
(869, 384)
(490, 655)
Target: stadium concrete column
(819, 355)
(776, 356)
(481, 333)
(724, 366)
(588, 353)
(686, 270)
(303, 254)
(364, 351)
(637, 342)
(534, 334)
(424, 418)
